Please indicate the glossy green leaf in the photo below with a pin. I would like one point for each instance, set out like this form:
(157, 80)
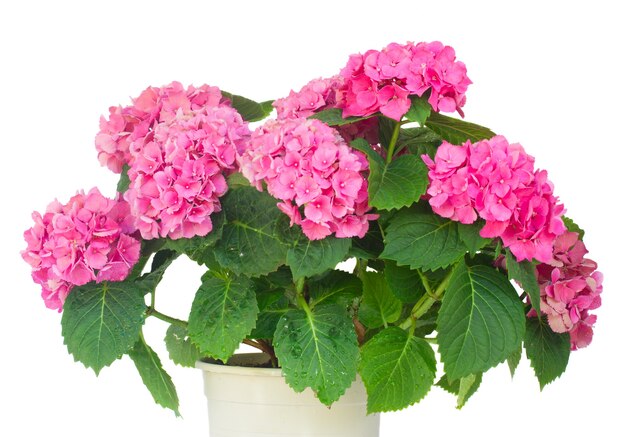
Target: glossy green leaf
(547, 350)
(318, 349)
(399, 183)
(154, 377)
(422, 240)
(523, 272)
(379, 306)
(252, 239)
(481, 321)
(180, 348)
(463, 388)
(334, 117)
(398, 370)
(457, 131)
(337, 287)
(311, 257)
(249, 109)
(419, 111)
(101, 322)
(223, 313)
(404, 282)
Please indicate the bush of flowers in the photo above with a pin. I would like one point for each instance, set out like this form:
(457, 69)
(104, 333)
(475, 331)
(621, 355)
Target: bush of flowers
(356, 230)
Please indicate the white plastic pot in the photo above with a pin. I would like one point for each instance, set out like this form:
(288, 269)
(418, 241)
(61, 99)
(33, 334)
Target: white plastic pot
(257, 402)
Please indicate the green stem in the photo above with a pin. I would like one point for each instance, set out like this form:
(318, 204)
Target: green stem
(171, 320)
(300, 297)
(425, 283)
(426, 301)
(304, 305)
(393, 141)
(360, 267)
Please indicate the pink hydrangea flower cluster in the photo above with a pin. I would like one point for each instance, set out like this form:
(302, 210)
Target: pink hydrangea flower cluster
(570, 288)
(383, 80)
(87, 239)
(178, 173)
(313, 97)
(497, 181)
(154, 105)
(319, 178)
(318, 95)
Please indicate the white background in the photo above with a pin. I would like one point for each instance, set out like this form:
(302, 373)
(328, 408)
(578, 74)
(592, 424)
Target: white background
(547, 74)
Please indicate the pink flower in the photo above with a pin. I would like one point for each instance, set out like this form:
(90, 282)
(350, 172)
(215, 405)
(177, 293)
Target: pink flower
(313, 173)
(383, 80)
(178, 173)
(570, 288)
(136, 122)
(497, 181)
(318, 95)
(87, 239)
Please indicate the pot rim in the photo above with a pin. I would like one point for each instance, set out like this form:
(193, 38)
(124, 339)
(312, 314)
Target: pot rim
(240, 364)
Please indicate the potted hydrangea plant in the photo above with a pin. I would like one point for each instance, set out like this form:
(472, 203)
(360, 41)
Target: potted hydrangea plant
(447, 238)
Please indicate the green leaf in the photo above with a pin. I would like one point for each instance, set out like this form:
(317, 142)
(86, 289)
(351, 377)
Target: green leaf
(249, 109)
(273, 305)
(400, 183)
(336, 287)
(547, 350)
(154, 377)
(311, 257)
(463, 388)
(318, 349)
(419, 111)
(419, 141)
(481, 321)
(252, 242)
(223, 313)
(398, 370)
(573, 227)
(379, 306)
(267, 106)
(513, 360)
(180, 348)
(422, 240)
(470, 236)
(334, 117)
(385, 130)
(523, 272)
(457, 131)
(101, 322)
(124, 182)
(405, 283)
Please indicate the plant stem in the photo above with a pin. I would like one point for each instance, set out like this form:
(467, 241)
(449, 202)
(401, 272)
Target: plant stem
(426, 301)
(300, 286)
(171, 320)
(360, 267)
(393, 141)
(263, 347)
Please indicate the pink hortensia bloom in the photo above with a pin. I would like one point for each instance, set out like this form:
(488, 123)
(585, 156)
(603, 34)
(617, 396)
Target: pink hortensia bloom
(496, 181)
(189, 157)
(570, 288)
(383, 80)
(87, 239)
(136, 122)
(320, 180)
(318, 95)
